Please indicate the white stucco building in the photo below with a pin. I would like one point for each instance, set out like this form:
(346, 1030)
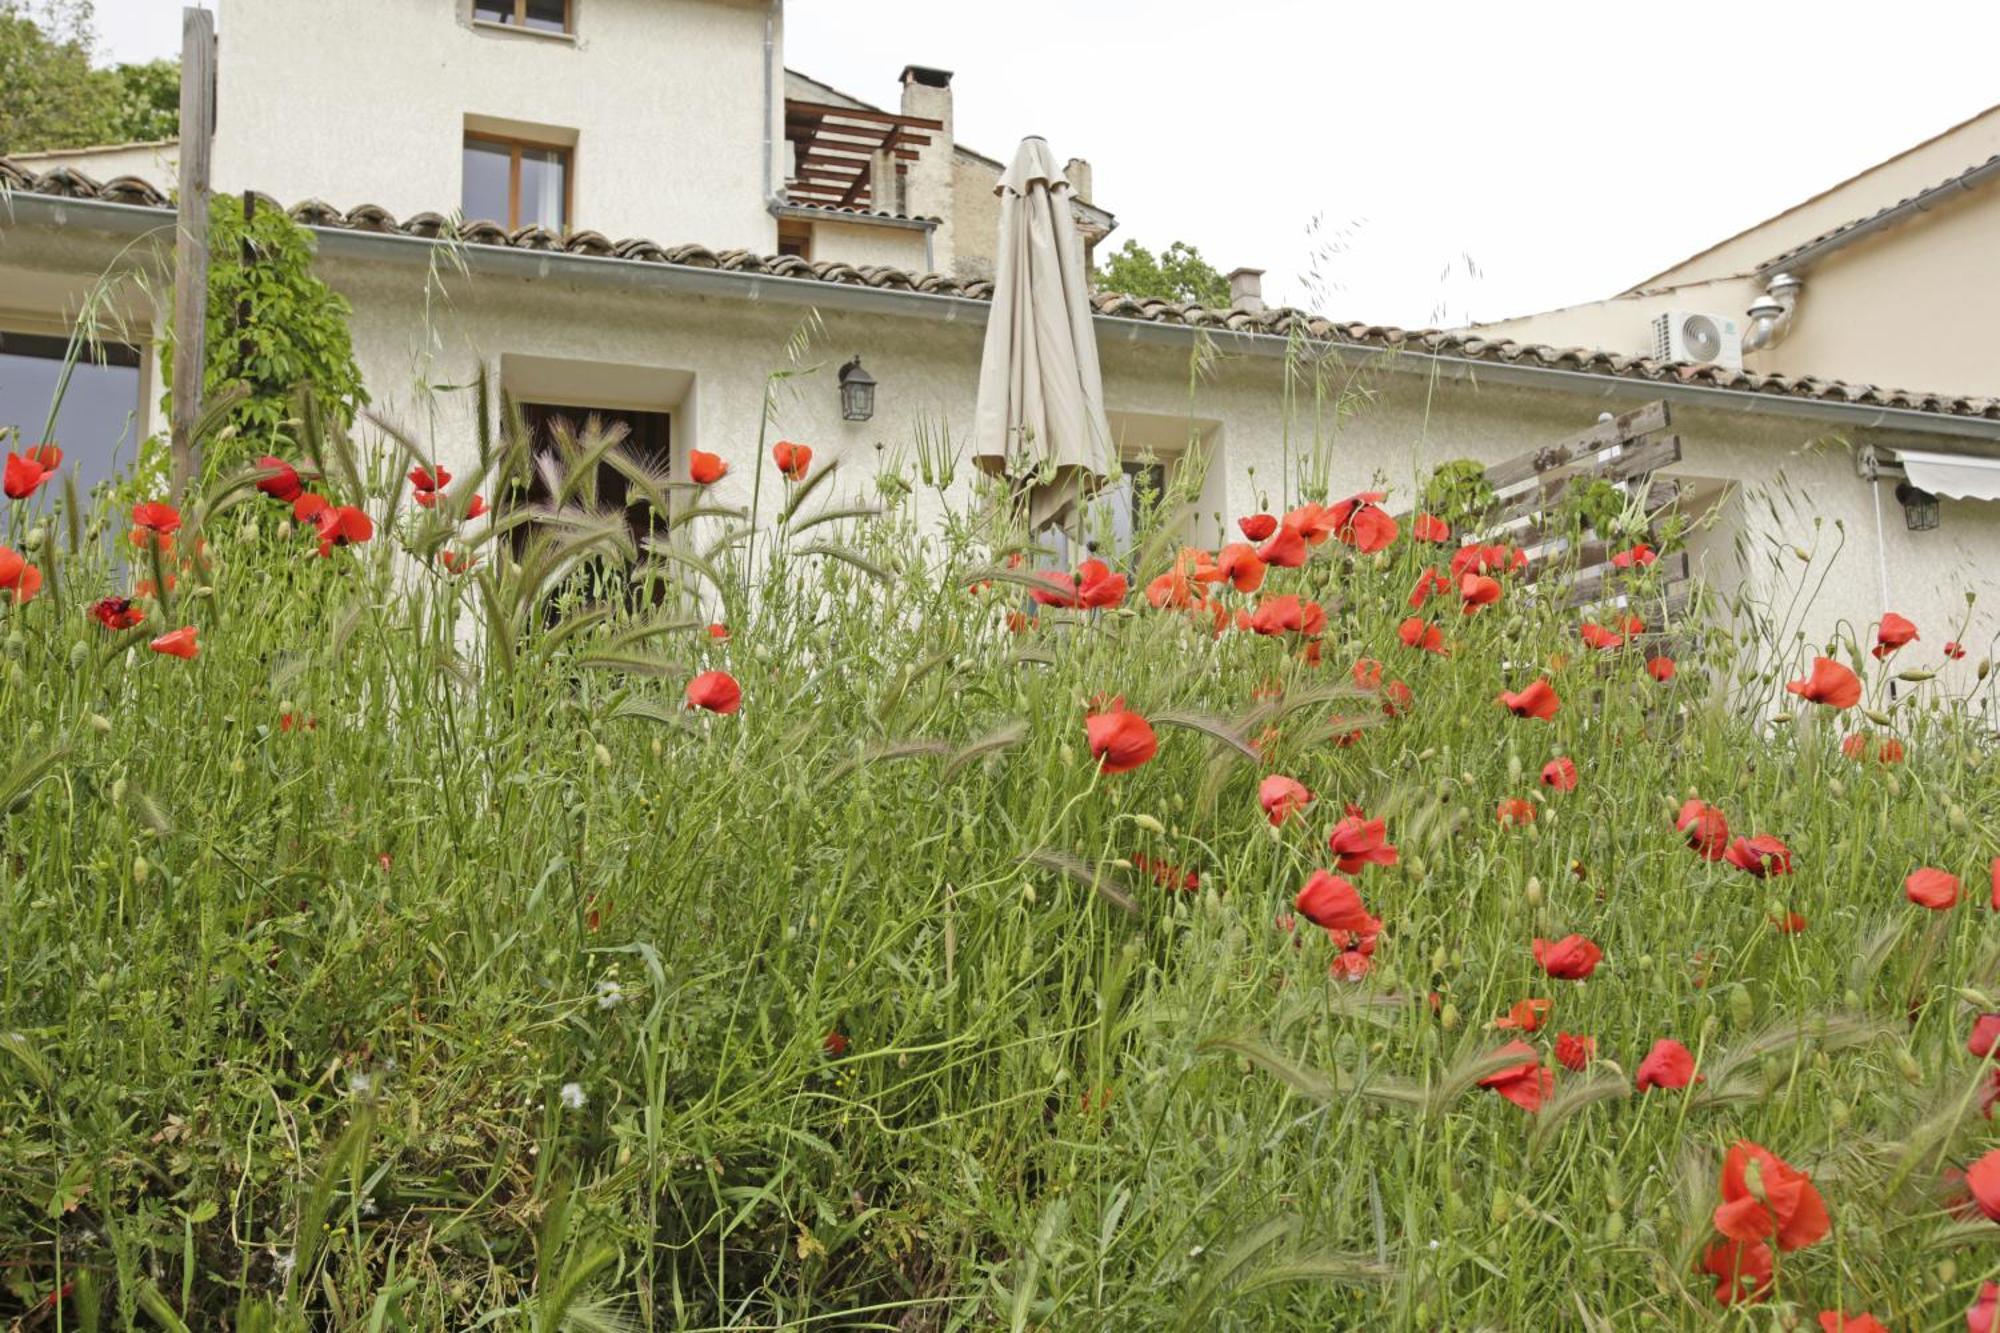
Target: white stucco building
(676, 202)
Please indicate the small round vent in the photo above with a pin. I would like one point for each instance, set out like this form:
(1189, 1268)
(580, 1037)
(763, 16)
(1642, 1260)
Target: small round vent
(1701, 338)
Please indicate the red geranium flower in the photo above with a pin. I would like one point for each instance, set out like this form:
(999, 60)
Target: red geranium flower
(1333, 903)
(794, 460)
(1660, 668)
(1706, 827)
(1526, 1084)
(717, 691)
(179, 643)
(1932, 888)
(1764, 1196)
(342, 526)
(1742, 1270)
(278, 479)
(1120, 740)
(1574, 1052)
(1430, 528)
(1282, 797)
(1560, 773)
(1537, 701)
(1668, 1065)
(1760, 856)
(1257, 527)
(1830, 683)
(1286, 549)
(705, 469)
(1571, 958)
(116, 613)
(1416, 633)
(1360, 841)
(1526, 1015)
(1891, 634)
(1516, 811)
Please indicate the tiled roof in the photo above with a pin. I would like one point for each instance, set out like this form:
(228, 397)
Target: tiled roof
(857, 210)
(1281, 322)
(1966, 179)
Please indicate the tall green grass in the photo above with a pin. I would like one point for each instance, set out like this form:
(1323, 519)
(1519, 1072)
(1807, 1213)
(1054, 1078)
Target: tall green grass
(413, 959)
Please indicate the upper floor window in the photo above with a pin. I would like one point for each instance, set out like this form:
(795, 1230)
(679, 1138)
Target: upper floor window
(537, 15)
(515, 182)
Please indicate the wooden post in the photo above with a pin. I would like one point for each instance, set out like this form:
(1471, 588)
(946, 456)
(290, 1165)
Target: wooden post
(191, 236)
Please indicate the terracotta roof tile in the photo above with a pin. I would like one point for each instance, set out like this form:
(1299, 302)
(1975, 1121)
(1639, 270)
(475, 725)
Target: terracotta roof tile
(68, 183)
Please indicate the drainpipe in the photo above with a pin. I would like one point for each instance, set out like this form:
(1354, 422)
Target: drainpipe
(773, 196)
(1771, 314)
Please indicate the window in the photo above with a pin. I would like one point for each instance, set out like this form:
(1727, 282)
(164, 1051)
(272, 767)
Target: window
(1114, 517)
(534, 15)
(515, 183)
(97, 426)
(795, 238)
(564, 431)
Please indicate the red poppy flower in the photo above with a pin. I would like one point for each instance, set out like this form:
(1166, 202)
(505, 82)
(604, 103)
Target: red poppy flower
(1094, 585)
(1954, 650)
(1397, 698)
(1526, 1015)
(705, 469)
(717, 691)
(1637, 556)
(1476, 591)
(1985, 1312)
(1257, 527)
(1282, 797)
(1660, 668)
(1313, 522)
(1790, 923)
(116, 613)
(1891, 634)
(1361, 523)
(157, 517)
(1020, 624)
(457, 562)
(1333, 903)
(1760, 856)
(1368, 673)
(1706, 827)
(1417, 633)
(1995, 901)
(1668, 1065)
(834, 1043)
(477, 507)
(1742, 1270)
(1429, 583)
(309, 506)
(1537, 701)
(1359, 841)
(1430, 528)
(1560, 773)
(1526, 1084)
(19, 576)
(1288, 615)
(1830, 683)
(1932, 888)
(1238, 563)
(278, 479)
(1495, 559)
(794, 460)
(1516, 812)
(422, 479)
(718, 630)
(342, 526)
(1574, 1052)
(1600, 638)
(1165, 875)
(1782, 1202)
(179, 643)
(1983, 1179)
(1350, 965)
(1120, 740)
(1833, 1321)
(25, 474)
(1571, 958)
(1286, 549)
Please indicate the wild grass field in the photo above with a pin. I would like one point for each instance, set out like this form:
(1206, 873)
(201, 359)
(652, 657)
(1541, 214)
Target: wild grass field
(407, 921)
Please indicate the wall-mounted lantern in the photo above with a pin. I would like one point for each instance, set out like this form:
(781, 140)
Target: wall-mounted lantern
(1920, 508)
(857, 392)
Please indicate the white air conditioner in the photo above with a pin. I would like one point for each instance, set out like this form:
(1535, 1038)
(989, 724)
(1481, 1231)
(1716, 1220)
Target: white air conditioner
(1684, 335)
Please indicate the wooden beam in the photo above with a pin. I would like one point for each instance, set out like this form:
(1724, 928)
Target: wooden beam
(191, 237)
(1643, 420)
(861, 113)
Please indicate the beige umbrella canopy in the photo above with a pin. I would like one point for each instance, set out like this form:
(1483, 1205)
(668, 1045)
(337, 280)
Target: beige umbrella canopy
(1041, 395)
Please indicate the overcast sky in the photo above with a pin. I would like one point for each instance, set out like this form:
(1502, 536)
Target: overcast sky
(1406, 163)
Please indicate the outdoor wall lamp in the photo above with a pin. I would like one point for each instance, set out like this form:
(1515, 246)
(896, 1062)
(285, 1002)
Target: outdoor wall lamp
(1920, 508)
(857, 392)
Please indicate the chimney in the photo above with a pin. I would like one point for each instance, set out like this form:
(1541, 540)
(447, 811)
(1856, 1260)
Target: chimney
(1246, 289)
(1078, 171)
(927, 188)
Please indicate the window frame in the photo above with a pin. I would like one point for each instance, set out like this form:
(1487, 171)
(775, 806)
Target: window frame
(520, 20)
(514, 144)
(798, 232)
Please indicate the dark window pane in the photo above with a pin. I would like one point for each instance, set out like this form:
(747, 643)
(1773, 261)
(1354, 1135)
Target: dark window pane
(542, 194)
(549, 15)
(484, 197)
(493, 11)
(97, 425)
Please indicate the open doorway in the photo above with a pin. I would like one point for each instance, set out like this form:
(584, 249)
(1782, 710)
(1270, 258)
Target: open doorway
(648, 438)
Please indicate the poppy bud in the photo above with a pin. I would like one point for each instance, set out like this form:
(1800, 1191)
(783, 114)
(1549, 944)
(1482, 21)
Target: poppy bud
(1742, 1011)
(1878, 717)
(1783, 719)
(118, 791)
(1513, 769)
(1836, 786)
(1148, 823)
(1028, 894)
(657, 748)
(37, 538)
(1533, 892)
(1916, 675)
(1947, 1270)
(237, 766)
(140, 870)
(1614, 1226)
(1839, 1114)
(1503, 1204)
(1438, 959)
(286, 706)
(1708, 1026)
(1851, 998)
(1907, 1063)
(1448, 1017)
(1954, 815)
(1985, 667)
(603, 755)
(100, 724)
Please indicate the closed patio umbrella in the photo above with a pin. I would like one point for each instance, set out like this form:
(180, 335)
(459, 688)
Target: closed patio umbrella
(1040, 419)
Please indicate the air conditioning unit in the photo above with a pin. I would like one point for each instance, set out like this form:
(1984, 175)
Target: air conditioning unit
(1683, 335)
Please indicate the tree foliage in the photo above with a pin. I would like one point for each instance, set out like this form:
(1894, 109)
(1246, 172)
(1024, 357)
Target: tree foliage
(55, 99)
(1177, 273)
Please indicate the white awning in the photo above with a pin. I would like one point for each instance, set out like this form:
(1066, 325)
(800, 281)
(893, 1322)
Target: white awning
(1955, 476)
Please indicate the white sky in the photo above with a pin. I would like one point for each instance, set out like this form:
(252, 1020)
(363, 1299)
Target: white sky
(1409, 163)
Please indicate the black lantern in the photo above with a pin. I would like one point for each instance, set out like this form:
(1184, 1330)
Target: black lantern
(857, 392)
(1920, 508)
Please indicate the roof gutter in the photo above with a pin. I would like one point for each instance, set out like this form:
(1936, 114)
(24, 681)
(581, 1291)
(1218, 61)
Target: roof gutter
(681, 279)
(1807, 255)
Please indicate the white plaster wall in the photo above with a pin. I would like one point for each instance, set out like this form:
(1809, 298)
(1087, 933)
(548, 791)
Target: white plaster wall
(365, 101)
(863, 244)
(154, 163)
